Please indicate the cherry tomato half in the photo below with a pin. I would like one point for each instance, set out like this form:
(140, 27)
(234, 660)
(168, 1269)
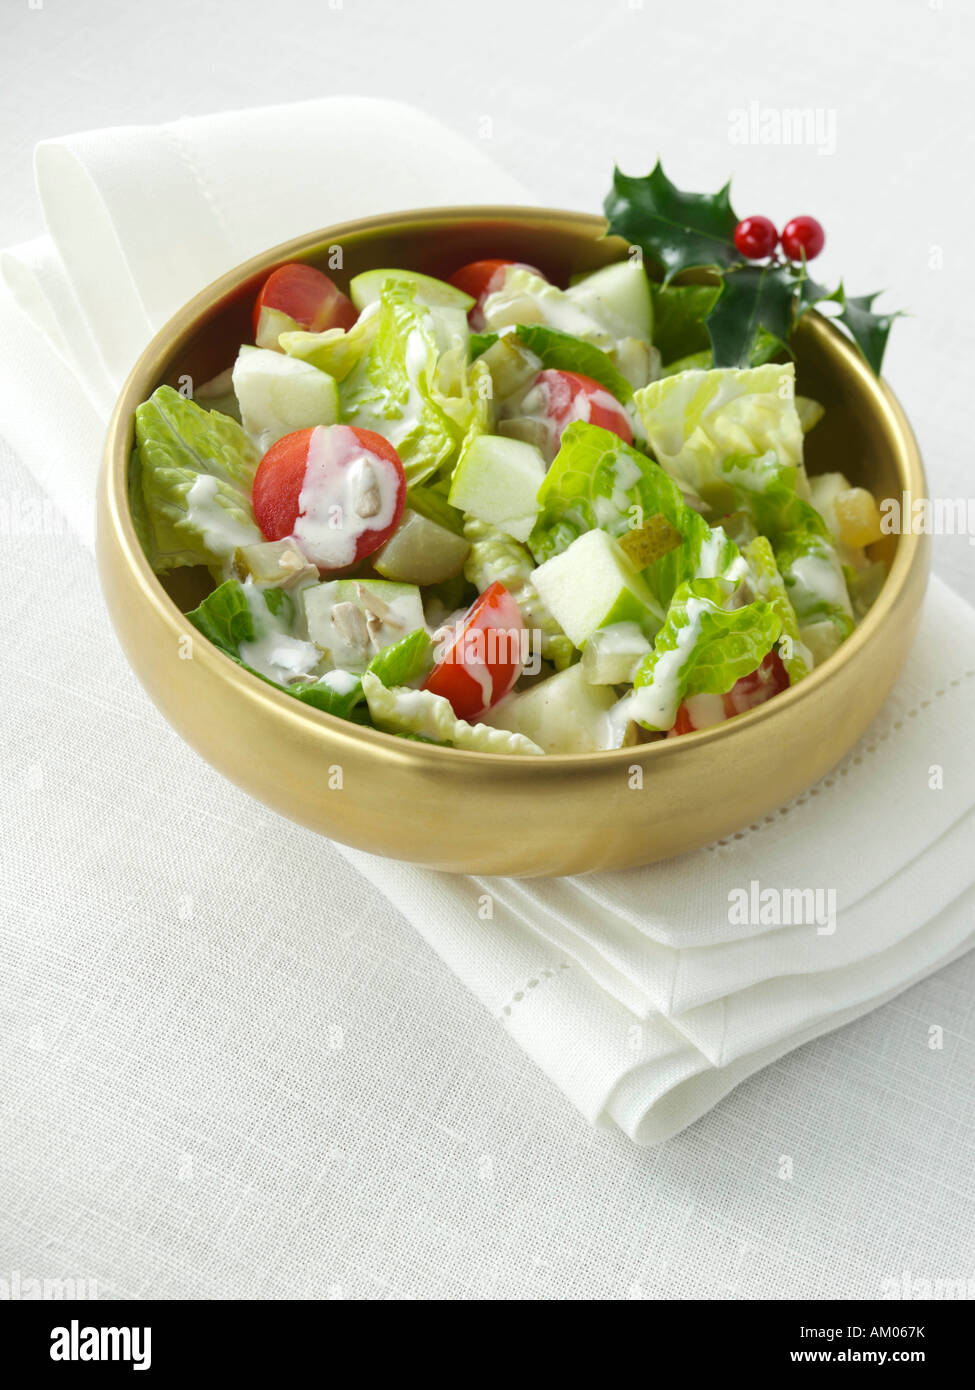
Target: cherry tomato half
(481, 658)
(558, 398)
(338, 490)
(701, 711)
(481, 278)
(298, 296)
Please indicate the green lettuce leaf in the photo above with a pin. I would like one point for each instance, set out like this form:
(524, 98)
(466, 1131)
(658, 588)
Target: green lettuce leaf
(335, 350)
(702, 647)
(805, 552)
(196, 470)
(137, 507)
(598, 481)
(697, 419)
(421, 397)
(768, 584)
(693, 362)
(405, 661)
(422, 714)
(224, 617)
(480, 342)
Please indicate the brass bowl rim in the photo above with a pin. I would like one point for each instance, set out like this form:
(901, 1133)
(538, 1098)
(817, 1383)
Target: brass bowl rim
(158, 353)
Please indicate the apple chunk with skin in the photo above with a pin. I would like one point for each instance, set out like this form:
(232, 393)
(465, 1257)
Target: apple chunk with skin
(591, 585)
(421, 552)
(497, 481)
(278, 395)
(562, 714)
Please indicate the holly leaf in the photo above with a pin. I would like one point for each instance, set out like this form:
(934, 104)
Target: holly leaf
(752, 299)
(868, 330)
(673, 229)
(812, 293)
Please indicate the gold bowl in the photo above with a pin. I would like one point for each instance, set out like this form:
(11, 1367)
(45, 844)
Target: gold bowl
(479, 812)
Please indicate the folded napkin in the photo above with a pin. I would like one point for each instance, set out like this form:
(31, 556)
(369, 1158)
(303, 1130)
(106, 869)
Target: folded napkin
(645, 995)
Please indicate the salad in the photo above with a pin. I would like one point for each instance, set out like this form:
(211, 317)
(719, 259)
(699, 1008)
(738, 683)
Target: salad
(502, 514)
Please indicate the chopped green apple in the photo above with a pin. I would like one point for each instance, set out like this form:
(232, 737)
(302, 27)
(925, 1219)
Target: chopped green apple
(526, 298)
(350, 620)
(822, 639)
(511, 365)
(277, 563)
(562, 714)
(529, 431)
(497, 481)
(810, 412)
(613, 654)
(618, 298)
(366, 288)
(271, 325)
(421, 552)
(637, 361)
(278, 395)
(591, 585)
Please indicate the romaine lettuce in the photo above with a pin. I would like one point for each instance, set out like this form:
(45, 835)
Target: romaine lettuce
(196, 469)
(407, 386)
(805, 552)
(420, 712)
(696, 419)
(768, 584)
(702, 647)
(335, 350)
(598, 481)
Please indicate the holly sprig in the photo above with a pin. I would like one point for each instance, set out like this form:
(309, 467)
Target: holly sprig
(678, 231)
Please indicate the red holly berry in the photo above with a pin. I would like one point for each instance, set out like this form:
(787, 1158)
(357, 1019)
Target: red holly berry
(756, 238)
(803, 236)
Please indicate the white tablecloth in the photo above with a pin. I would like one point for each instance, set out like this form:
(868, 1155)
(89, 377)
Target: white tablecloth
(311, 1103)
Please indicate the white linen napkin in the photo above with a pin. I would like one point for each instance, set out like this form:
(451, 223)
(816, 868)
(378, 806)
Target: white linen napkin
(639, 993)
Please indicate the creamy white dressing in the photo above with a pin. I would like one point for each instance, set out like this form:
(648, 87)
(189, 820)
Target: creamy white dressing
(222, 532)
(655, 705)
(274, 652)
(342, 682)
(401, 420)
(613, 654)
(618, 719)
(626, 474)
(709, 563)
(341, 476)
(818, 578)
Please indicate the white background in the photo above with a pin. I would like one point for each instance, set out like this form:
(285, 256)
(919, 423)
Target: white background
(170, 1141)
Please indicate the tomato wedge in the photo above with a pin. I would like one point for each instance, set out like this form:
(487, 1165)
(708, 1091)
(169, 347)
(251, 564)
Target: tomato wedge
(558, 398)
(481, 278)
(481, 657)
(702, 711)
(297, 296)
(338, 490)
